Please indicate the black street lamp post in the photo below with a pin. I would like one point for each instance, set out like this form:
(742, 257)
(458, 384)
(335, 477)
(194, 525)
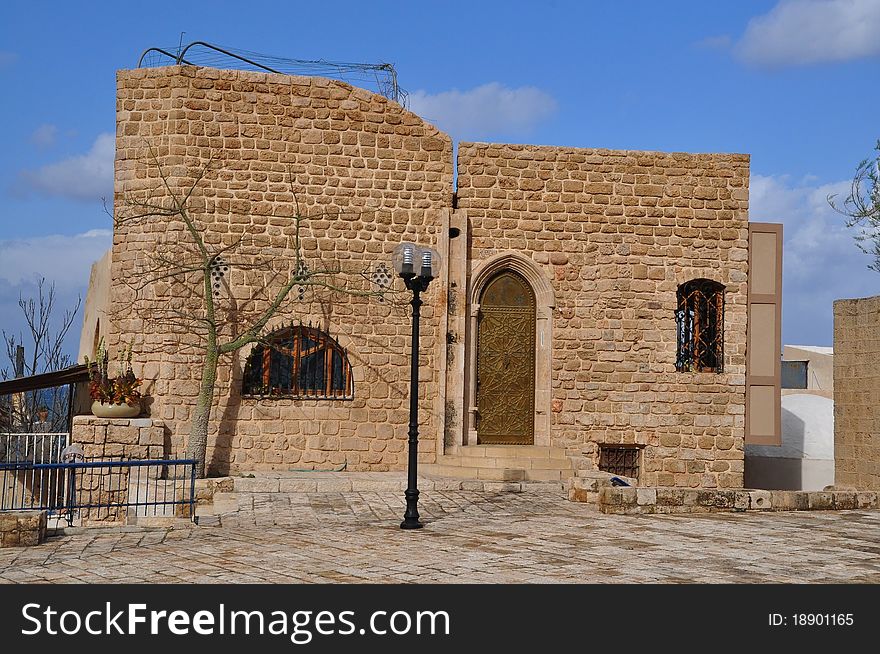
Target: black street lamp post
(405, 258)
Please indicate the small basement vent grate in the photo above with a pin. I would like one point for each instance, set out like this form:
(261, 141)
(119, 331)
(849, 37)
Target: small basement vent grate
(622, 461)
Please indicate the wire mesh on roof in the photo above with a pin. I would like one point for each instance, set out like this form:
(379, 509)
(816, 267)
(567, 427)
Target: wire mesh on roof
(381, 78)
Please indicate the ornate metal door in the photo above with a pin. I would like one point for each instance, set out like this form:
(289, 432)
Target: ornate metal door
(506, 362)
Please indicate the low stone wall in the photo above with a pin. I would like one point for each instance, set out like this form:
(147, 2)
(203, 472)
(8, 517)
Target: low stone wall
(586, 485)
(22, 528)
(629, 500)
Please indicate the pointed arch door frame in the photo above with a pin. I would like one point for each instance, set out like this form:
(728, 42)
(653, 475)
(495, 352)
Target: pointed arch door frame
(545, 301)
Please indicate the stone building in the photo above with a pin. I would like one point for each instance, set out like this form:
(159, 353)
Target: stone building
(857, 393)
(595, 308)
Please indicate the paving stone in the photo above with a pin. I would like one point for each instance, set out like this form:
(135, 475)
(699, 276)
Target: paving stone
(469, 537)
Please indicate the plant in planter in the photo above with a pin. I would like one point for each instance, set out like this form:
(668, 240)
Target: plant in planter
(117, 396)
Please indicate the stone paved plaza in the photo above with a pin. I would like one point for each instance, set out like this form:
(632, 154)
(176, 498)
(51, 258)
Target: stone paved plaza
(470, 537)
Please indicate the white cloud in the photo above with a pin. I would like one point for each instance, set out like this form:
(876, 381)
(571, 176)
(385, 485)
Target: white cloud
(797, 32)
(44, 136)
(83, 177)
(488, 110)
(821, 261)
(65, 261)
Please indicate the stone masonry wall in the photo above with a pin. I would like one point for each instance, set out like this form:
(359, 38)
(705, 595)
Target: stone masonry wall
(367, 174)
(617, 232)
(857, 393)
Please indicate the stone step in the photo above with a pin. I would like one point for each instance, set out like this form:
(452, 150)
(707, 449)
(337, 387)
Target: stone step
(508, 451)
(510, 462)
(492, 480)
(496, 474)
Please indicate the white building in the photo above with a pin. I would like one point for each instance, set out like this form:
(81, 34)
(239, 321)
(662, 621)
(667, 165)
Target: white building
(805, 460)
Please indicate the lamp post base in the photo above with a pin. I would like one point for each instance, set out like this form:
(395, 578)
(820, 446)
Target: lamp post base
(411, 516)
(411, 524)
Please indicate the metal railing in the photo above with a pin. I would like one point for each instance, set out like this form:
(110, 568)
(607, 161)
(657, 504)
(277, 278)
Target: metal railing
(31, 449)
(383, 75)
(35, 447)
(101, 492)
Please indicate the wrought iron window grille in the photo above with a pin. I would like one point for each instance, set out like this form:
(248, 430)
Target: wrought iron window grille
(700, 326)
(298, 362)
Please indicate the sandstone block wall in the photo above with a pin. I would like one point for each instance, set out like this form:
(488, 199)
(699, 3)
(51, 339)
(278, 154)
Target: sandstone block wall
(106, 439)
(857, 393)
(617, 232)
(367, 173)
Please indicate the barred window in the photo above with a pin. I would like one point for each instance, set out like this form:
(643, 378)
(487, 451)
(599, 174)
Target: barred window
(622, 461)
(298, 362)
(700, 320)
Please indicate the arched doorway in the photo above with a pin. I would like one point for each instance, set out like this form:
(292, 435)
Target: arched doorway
(505, 370)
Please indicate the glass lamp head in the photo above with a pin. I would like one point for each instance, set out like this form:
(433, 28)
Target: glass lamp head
(411, 259)
(429, 263)
(404, 258)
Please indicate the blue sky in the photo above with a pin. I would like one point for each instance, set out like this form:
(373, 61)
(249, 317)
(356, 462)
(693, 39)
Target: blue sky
(793, 83)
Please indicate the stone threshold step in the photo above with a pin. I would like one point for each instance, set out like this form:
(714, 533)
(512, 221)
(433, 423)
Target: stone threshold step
(507, 462)
(395, 484)
(508, 451)
(518, 473)
(130, 527)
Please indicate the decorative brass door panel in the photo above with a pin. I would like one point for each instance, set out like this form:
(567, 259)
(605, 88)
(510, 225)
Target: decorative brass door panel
(506, 362)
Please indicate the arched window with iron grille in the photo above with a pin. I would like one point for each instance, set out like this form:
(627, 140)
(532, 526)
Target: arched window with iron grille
(298, 362)
(700, 320)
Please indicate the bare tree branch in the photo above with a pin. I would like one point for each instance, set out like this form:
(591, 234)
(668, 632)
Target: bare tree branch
(862, 207)
(44, 350)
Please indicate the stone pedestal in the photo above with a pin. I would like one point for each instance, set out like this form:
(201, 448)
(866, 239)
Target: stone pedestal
(113, 487)
(114, 438)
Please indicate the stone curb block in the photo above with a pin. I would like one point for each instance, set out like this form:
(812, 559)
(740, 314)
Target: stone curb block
(23, 528)
(628, 500)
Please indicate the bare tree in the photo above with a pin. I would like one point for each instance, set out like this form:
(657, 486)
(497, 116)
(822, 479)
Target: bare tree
(862, 207)
(183, 282)
(40, 350)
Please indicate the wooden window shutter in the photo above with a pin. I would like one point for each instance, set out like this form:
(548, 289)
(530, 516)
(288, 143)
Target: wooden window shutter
(763, 420)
